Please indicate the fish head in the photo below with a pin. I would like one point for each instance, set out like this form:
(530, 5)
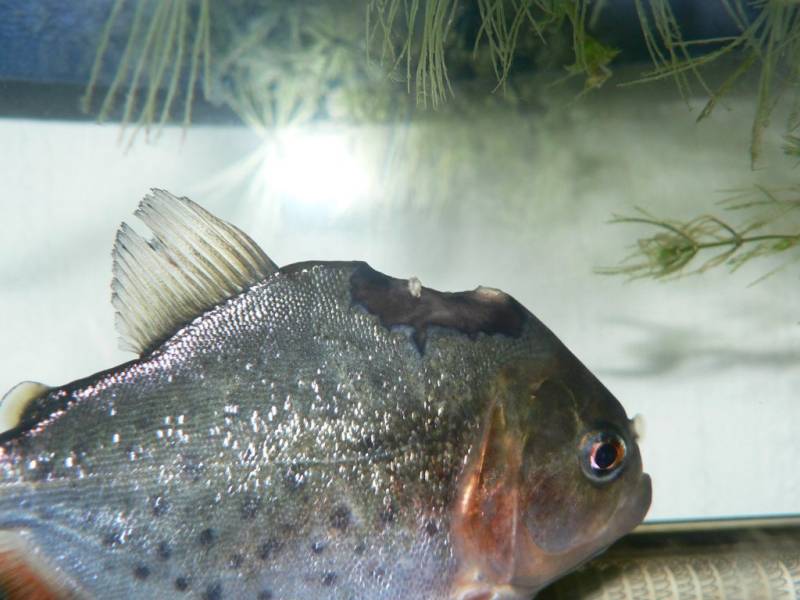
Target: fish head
(555, 478)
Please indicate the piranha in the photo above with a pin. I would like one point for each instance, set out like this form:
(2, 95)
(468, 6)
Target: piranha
(319, 430)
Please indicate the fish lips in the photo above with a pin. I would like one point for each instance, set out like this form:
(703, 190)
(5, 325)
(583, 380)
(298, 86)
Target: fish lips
(631, 512)
(627, 516)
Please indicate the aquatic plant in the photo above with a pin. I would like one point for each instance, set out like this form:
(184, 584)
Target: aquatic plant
(768, 38)
(278, 58)
(163, 40)
(298, 62)
(683, 247)
(420, 41)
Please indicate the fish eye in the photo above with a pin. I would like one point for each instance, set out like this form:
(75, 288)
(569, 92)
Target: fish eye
(602, 455)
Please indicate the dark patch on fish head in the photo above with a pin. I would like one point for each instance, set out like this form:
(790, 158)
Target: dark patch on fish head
(555, 478)
(396, 304)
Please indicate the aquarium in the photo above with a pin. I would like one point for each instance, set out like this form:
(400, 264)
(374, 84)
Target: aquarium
(626, 171)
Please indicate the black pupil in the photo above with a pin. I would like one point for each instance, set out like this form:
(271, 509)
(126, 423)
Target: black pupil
(606, 455)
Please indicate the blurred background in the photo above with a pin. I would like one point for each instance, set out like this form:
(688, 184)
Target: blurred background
(465, 143)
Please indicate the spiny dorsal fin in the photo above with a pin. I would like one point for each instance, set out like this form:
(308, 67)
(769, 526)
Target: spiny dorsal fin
(16, 400)
(193, 262)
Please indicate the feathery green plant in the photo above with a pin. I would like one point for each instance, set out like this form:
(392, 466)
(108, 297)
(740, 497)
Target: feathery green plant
(769, 37)
(684, 247)
(424, 62)
(417, 40)
(283, 57)
(297, 62)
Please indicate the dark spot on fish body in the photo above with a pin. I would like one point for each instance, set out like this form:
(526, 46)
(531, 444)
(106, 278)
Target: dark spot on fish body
(89, 518)
(213, 591)
(80, 449)
(378, 572)
(360, 549)
(388, 513)
(181, 584)
(269, 548)
(340, 517)
(250, 507)
(365, 445)
(318, 547)
(159, 505)
(295, 479)
(265, 595)
(328, 578)
(392, 302)
(45, 513)
(192, 468)
(141, 572)
(207, 537)
(43, 471)
(164, 551)
(248, 456)
(236, 561)
(111, 539)
(142, 422)
(431, 528)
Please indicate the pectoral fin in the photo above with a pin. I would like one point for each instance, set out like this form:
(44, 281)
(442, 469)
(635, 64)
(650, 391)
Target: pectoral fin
(24, 577)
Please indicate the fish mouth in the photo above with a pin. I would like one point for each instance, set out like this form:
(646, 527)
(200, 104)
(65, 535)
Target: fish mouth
(628, 515)
(636, 510)
(633, 513)
(476, 584)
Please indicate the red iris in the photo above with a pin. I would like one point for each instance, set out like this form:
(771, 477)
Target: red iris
(606, 454)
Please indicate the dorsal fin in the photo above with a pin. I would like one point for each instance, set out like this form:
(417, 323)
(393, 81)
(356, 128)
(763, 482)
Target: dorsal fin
(16, 400)
(193, 262)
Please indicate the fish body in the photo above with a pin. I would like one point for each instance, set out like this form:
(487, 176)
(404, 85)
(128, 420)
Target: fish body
(326, 431)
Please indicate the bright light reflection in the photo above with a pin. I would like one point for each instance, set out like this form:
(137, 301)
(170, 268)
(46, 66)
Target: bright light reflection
(316, 167)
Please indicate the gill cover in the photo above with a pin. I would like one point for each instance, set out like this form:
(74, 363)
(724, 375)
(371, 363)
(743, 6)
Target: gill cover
(528, 510)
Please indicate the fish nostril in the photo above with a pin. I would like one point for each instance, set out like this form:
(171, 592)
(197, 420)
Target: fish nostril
(638, 427)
